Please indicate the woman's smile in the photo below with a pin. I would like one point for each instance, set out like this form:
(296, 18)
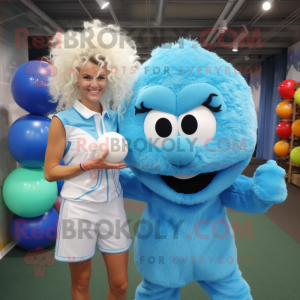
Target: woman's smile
(94, 91)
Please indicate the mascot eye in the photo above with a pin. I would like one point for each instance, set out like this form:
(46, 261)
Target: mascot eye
(159, 127)
(199, 123)
(189, 124)
(163, 127)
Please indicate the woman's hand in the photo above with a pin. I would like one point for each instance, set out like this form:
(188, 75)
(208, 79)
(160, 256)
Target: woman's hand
(100, 163)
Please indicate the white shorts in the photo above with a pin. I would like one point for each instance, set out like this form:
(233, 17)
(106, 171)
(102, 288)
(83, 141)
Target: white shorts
(83, 225)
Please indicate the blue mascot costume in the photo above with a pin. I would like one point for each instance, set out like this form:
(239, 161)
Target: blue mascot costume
(191, 129)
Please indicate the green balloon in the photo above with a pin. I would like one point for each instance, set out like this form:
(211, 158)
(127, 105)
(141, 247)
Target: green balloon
(297, 96)
(295, 156)
(27, 193)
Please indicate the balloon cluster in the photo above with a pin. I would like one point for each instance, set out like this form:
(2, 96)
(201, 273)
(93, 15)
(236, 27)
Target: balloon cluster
(26, 192)
(286, 128)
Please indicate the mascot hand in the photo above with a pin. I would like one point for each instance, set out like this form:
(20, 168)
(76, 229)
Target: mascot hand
(269, 183)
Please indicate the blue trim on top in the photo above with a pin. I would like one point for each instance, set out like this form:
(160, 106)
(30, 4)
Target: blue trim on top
(115, 182)
(69, 161)
(111, 123)
(72, 117)
(93, 189)
(97, 180)
(107, 190)
(67, 149)
(60, 116)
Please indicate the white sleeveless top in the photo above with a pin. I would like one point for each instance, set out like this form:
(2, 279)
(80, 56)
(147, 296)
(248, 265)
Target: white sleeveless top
(83, 127)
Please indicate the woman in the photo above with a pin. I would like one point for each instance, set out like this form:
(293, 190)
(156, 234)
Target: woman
(92, 78)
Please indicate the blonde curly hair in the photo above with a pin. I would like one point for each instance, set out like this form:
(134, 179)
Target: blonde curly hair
(106, 45)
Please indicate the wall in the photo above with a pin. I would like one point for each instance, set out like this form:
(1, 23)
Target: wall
(10, 59)
(255, 85)
(293, 62)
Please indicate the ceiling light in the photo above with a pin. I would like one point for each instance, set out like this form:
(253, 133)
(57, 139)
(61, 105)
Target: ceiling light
(235, 48)
(102, 3)
(246, 57)
(266, 5)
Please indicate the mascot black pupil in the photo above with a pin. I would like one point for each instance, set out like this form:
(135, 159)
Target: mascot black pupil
(163, 127)
(189, 124)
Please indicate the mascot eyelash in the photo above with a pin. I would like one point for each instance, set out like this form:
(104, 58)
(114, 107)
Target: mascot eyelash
(144, 109)
(206, 104)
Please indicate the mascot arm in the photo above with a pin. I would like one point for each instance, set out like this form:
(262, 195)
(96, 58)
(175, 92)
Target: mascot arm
(132, 187)
(257, 194)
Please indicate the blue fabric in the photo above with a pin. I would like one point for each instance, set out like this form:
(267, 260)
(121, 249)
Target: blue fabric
(148, 291)
(197, 94)
(71, 117)
(116, 183)
(67, 149)
(69, 161)
(247, 78)
(180, 231)
(107, 185)
(153, 97)
(179, 158)
(224, 81)
(98, 184)
(273, 72)
(110, 122)
(234, 287)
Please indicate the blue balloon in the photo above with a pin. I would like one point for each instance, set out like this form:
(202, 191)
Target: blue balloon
(29, 87)
(27, 140)
(30, 233)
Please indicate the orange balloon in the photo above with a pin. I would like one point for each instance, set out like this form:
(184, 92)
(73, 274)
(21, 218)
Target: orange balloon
(284, 109)
(282, 148)
(296, 128)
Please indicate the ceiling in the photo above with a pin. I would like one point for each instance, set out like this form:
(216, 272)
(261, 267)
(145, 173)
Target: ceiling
(152, 22)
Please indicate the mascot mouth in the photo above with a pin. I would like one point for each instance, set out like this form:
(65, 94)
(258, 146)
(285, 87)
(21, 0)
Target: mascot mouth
(191, 185)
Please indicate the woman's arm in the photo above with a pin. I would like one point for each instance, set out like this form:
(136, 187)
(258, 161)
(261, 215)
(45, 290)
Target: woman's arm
(56, 146)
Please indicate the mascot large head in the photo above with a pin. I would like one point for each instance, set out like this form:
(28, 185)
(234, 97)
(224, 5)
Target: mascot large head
(191, 123)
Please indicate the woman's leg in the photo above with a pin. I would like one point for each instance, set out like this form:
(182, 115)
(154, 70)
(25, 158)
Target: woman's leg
(80, 275)
(116, 265)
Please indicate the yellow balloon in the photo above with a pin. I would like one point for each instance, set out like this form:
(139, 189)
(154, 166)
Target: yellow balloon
(282, 148)
(284, 109)
(296, 128)
(297, 96)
